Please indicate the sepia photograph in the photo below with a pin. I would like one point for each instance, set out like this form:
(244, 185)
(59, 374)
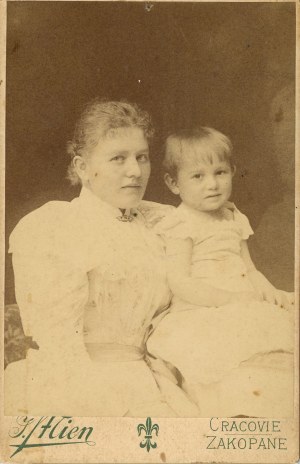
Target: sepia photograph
(150, 266)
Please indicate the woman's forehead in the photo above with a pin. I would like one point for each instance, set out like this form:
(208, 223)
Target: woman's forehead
(122, 139)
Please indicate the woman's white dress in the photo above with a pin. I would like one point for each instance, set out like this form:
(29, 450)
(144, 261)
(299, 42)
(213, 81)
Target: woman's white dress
(236, 359)
(78, 265)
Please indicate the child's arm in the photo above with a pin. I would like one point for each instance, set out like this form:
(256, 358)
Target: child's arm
(192, 289)
(261, 284)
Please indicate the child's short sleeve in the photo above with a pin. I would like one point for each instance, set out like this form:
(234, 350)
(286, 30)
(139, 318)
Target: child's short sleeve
(174, 226)
(243, 222)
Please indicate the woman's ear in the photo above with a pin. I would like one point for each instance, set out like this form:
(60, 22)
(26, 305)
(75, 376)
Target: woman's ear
(80, 166)
(171, 183)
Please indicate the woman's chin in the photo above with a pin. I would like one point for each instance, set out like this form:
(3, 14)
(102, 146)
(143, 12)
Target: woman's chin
(131, 204)
(131, 199)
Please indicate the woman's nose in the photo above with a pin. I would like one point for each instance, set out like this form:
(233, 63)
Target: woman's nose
(133, 168)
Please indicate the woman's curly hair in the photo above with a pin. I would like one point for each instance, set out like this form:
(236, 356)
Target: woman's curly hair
(98, 118)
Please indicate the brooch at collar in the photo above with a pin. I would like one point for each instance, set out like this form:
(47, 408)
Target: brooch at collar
(125, 218)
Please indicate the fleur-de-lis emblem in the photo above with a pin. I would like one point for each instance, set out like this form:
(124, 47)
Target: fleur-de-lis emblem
(149, 428)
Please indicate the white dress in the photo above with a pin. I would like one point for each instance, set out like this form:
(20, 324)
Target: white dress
(236, 359)
(77, 265)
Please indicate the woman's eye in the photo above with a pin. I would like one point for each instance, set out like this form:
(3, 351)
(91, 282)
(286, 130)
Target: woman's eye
(119, 159)
(143, 158)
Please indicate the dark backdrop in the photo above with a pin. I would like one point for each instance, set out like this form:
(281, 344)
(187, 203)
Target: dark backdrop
(219, 64)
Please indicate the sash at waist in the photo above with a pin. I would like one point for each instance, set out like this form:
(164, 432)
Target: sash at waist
(114, 352)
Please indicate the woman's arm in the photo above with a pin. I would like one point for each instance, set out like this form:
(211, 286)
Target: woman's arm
(47, 272)
(192, 289)
(261, 284)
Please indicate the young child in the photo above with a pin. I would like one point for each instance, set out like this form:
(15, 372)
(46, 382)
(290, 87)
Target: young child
(227, 323)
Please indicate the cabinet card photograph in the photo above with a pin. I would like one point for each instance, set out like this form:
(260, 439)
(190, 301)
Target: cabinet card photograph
(150, 221)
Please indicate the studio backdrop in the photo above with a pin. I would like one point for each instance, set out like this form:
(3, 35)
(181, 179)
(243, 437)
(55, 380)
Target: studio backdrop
(230, 66)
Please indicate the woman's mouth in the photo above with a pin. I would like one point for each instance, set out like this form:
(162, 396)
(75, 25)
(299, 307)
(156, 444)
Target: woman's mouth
(134, 186)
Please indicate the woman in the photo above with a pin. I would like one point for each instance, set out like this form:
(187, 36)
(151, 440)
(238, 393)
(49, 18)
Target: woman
(94, 256)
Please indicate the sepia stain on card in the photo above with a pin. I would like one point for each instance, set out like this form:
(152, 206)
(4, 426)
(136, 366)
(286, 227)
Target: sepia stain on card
(162, 457)
(256, 393)
(244, 172)
(148, 7)
(15, 47)
(279, 115)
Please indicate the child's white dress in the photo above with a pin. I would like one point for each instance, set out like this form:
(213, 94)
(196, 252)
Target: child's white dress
(236, 359)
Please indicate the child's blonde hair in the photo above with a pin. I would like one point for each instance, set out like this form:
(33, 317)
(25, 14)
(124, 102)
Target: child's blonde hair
(189, 143)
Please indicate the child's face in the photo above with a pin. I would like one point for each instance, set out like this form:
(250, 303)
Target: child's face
(203, 185)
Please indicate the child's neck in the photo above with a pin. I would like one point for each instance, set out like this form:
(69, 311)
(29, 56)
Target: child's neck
(216, 213)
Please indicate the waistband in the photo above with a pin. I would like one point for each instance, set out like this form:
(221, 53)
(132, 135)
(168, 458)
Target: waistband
(114, 352)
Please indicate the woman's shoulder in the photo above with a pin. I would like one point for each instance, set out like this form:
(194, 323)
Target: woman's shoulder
(153, 213)
(45, 215)
(40, 226)
(175, 224)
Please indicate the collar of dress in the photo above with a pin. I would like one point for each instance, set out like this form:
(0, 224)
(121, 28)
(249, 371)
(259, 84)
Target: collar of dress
(95, 205)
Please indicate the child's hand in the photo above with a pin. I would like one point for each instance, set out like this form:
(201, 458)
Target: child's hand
(264, 288)
(285, 300)
(270, 294)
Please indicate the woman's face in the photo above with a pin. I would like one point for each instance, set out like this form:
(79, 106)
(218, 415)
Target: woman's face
(118, 168)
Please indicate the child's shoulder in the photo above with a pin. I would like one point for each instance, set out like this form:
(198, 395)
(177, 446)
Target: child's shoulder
(239, 218)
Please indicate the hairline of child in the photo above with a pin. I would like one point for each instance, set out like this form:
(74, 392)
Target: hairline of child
(187, 143)
(102, 117)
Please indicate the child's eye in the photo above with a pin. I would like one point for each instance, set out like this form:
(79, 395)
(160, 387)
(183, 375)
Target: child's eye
(221, 172)
(143, 158)
(118, 158)
(198, 176)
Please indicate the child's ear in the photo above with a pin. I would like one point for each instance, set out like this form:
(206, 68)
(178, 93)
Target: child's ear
(233, 169)
(171, 183)
(80, 166)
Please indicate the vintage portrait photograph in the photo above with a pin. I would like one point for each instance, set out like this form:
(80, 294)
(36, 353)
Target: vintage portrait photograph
(150, 198)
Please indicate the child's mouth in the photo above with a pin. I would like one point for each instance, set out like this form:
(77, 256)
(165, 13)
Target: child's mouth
(214, 196)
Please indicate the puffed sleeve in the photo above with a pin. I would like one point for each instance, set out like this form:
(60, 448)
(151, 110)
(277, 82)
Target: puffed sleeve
(45, 275)
(243, 223)
(174, 226)
(153, 212)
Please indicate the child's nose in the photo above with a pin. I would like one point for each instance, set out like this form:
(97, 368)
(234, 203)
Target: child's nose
(211, 181)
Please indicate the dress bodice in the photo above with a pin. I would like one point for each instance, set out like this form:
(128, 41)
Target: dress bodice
(77, 255)
(127, 287)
